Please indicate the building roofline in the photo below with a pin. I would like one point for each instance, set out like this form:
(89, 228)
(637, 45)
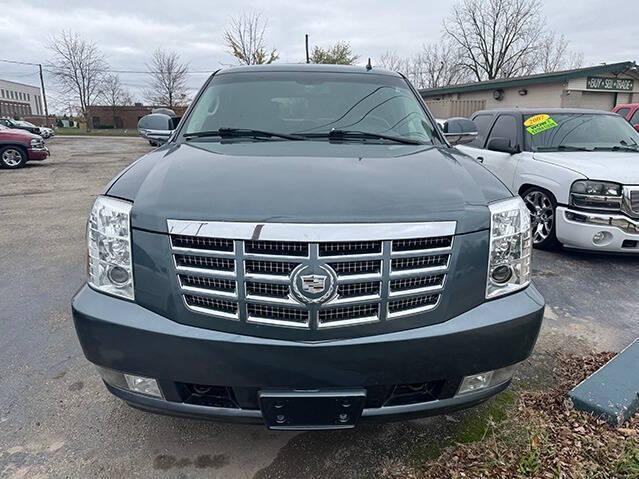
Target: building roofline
(552, 77)
(19, 84)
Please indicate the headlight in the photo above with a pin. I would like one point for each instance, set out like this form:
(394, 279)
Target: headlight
(36, 142)
(510, 247)
(596, 194)
(109, 238)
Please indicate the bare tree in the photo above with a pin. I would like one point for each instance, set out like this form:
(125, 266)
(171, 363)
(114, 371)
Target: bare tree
(497, 38)
(167, 79)
(438, 64)
(338, 54)
(245, 39)
(392, 61)
(554, 55)
(114, 95)
(79, 69)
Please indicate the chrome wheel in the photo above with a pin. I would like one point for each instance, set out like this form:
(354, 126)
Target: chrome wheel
(542, 215)
(12, 157)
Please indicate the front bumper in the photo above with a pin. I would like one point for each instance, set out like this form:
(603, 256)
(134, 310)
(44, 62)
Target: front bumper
(38, 154)
(577, 229)
(122, 336)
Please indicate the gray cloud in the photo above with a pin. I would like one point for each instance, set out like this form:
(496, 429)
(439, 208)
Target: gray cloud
(128, 31)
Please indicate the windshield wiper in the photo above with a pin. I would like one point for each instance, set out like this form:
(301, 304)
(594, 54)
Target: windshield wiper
(346, 134)
(634, 148)
(563, 148)
(241, 133)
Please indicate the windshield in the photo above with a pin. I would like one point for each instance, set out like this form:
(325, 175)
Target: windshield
(588, 131)
(311, 103)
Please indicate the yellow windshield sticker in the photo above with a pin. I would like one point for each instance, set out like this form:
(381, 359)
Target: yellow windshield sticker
(534, 120)
(539, 123)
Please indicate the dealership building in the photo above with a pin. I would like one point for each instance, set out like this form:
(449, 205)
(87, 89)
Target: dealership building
(19, 100)
(600, 87)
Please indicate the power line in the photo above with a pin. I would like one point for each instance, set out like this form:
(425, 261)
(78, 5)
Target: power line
(49, 66)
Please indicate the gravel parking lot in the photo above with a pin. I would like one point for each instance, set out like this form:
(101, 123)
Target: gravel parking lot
(57, 420)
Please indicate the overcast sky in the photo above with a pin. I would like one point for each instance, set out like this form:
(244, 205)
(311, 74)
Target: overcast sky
(128, 31)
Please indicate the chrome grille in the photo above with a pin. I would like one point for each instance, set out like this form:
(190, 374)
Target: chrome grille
(198, 282)
(197, 242)
(347, 248)
(277, 315)
(268, 290)
(348, 315)
(276, 248)
(349, 268)
(204, 262)
(223, 271)
(422, 243)
(354, 290)
(435, 281)
(277, 268)
(210, 304)
(633, 195)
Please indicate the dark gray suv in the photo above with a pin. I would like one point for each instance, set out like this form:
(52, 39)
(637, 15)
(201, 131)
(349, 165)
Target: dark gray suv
(307, 250)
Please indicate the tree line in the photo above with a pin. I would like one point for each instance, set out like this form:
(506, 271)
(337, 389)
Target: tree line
(480, 40)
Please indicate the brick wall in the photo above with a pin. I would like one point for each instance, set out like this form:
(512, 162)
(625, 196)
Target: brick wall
(125, 117)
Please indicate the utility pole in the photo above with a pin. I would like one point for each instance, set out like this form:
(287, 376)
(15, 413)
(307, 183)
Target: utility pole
(308, 60)
(44, 97)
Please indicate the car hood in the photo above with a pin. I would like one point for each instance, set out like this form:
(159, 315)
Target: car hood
(618, 166)
(307, 182)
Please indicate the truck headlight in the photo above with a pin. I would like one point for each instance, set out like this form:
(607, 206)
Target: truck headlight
(510, 247)
(109, 238)
(596, 194)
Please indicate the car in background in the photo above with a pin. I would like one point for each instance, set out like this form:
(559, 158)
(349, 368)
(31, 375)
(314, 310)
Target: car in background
(19, 146)
(577, 171)
(44, 132)
(20, 125)
(630, 111)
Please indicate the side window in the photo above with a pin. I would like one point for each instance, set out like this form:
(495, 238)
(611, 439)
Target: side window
(505, 127)
(483, 124)
(635, 118)
(623, 112)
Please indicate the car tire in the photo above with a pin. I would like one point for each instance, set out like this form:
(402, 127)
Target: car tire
(12, 157)
(543, 215)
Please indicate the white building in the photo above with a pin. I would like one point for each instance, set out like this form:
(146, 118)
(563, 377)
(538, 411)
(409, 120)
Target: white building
(18, 99)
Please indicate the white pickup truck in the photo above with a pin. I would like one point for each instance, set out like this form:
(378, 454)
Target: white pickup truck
(577, 171)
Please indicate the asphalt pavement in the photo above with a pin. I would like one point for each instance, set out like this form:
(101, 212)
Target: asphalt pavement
(57, 419)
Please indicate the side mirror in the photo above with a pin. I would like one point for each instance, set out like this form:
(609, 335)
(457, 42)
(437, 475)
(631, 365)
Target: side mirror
(503, 145)
(459, 131)
(157, 127)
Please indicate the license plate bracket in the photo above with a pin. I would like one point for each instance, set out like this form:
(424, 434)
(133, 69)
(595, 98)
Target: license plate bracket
(303, 410)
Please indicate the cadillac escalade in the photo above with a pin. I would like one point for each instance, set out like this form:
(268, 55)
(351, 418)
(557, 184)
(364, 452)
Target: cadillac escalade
(308, 251)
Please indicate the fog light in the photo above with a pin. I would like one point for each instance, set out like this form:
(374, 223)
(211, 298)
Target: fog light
(602, 238)
(142, 385)
(485, 380)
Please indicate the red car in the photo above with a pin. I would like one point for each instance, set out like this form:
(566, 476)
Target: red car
(18, 146)
(630, 111)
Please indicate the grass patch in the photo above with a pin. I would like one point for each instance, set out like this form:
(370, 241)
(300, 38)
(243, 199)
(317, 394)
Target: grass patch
(99, 132)
(475, 427)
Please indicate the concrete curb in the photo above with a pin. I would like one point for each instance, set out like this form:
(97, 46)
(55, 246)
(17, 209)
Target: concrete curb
(612, 392)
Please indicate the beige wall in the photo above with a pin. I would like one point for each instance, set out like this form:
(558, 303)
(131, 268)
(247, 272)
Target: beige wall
(571, 94)
(547, 96)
